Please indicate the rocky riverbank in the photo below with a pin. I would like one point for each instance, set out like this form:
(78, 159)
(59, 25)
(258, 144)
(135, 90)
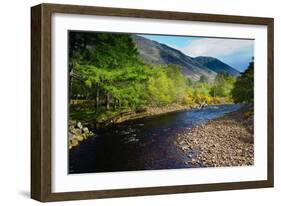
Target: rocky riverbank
(226, 141)
(151, 111)
(77, 133)
(147, 112)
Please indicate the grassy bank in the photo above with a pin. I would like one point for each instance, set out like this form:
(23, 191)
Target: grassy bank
(122, 115)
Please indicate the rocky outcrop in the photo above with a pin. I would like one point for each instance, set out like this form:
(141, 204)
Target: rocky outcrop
(77, 133)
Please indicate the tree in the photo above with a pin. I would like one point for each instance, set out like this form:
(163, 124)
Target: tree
(160, 87)
(95, 56)
(223, 85)
(179, 82)
(203, 79)
(243, 91)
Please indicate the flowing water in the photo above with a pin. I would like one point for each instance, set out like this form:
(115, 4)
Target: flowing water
(143, 144)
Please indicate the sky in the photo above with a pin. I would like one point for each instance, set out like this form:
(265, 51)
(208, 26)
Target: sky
(234, 52)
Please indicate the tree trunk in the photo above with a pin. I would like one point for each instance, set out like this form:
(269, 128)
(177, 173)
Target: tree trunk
(107, 100)
(114, 103)
(97, 97)
(70, 81)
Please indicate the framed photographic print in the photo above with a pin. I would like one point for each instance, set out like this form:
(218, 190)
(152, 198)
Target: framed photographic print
(130, 102)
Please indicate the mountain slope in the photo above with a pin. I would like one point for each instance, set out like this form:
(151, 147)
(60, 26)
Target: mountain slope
(217, 65)
(153, 52)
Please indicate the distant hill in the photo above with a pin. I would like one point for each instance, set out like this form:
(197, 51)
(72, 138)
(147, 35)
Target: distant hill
(217, 65)
(155, 53)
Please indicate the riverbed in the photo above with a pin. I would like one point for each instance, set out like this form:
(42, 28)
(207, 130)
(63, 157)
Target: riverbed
(142, 144)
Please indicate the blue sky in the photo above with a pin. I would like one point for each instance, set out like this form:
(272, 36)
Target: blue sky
(235, 52)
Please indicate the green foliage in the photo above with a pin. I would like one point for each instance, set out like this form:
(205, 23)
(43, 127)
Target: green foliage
(179, 83)
(203, 79)
(243, 90)
(85, 115)
(166, 85)
(197, 93)
(103, 50)
(160, 87)
(223, 85)
(104, 69)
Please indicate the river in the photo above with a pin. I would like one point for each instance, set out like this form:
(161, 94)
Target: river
(142, 144)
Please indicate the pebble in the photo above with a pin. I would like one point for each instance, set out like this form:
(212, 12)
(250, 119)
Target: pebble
(226, 141)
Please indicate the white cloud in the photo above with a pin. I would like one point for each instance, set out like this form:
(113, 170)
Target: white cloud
(216, 47)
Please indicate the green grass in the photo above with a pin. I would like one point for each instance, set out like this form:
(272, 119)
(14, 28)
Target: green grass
(102, 116)
(83, 115)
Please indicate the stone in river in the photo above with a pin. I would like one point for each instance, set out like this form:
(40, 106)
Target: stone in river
(184, 147)
(79, 125)
(85, 130)
(78, 137)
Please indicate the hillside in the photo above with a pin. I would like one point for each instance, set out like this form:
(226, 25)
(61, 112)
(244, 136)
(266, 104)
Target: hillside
(217, 65)
(155, 53)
